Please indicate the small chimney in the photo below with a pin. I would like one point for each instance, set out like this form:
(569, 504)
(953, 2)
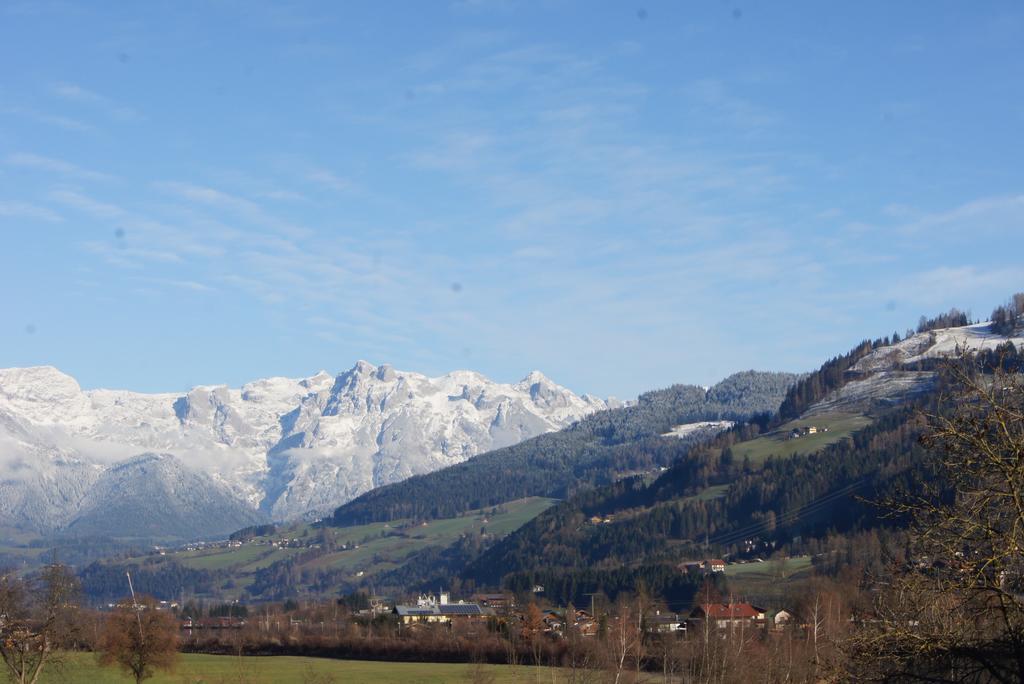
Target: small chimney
(444, 598)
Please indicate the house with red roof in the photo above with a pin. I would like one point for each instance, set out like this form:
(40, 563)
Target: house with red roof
(728, 615)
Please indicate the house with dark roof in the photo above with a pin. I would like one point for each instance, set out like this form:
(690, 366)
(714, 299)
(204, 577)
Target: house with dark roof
(664, 622)
(499, 603)
(440, 611)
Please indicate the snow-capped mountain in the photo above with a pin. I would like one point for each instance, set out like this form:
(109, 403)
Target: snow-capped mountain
(276, 448)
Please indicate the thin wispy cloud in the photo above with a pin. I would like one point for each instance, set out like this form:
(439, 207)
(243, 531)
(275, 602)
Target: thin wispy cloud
(209, 196)
(483, 5)
(329, 180)
(75, 93)
(904, 226)
(212, 197)
(986, 214)
(932, 289)
(87, 204)
(189, 285)
(70, 91)
(285, 196)
(126, 256)
(66, 123)
(533, 68)
(25, 210)
(740, 112)
(461, 151)
(136, 238)
(61, 167)
(533, 252)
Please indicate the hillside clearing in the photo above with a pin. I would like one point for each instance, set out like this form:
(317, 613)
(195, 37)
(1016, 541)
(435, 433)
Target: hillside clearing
(770, 581)
(831, 428)
(359, 551)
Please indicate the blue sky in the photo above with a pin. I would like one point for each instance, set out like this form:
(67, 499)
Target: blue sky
(621, 195)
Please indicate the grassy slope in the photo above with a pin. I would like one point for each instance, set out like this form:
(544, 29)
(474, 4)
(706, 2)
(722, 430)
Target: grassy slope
(81, 668)
(709, 493)
(769, 581)
(382, 546)
(778, 443)
(401, 540)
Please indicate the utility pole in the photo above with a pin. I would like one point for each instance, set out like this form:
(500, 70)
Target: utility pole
(707, 529)
(135, 604)
(592, 613)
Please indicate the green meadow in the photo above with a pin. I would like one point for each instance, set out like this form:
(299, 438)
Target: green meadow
(778, 443)
(369, 549)
(769, 581)
(82, 668)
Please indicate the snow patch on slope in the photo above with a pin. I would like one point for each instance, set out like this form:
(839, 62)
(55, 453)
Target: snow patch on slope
(934, 344)
(687, 429)
(887, 375)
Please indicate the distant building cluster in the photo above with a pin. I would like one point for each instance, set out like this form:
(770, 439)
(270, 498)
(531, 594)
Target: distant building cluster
(806, 430)
(707, 567)
(555, 622)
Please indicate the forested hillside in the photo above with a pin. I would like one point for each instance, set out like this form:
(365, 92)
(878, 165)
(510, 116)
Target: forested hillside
(709, 504)
(807, 492)
(597, 450)
(801, 494)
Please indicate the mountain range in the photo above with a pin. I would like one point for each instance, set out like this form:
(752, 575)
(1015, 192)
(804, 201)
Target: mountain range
(759, 463)
(215, 458)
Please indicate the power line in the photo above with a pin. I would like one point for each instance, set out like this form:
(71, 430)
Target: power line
(789, 517)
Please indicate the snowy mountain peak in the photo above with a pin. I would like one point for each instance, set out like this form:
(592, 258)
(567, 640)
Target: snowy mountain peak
(386, 373)
(281, 447)
(362, 368)
(44, 392)
(149, 458)
(534, 377)
(33, 375)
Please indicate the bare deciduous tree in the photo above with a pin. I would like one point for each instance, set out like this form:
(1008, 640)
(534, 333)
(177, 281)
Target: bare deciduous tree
(955, 612)
(34, 619)
(624, 636)
(533, 631)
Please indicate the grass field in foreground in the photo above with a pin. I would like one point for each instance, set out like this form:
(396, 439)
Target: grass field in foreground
(81, 668)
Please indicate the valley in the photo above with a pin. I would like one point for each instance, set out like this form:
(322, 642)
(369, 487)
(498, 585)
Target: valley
(334, 559)
(753, 495)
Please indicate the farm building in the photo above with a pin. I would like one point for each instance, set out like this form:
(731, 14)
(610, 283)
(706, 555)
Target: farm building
(729, 616)
(439, 611)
